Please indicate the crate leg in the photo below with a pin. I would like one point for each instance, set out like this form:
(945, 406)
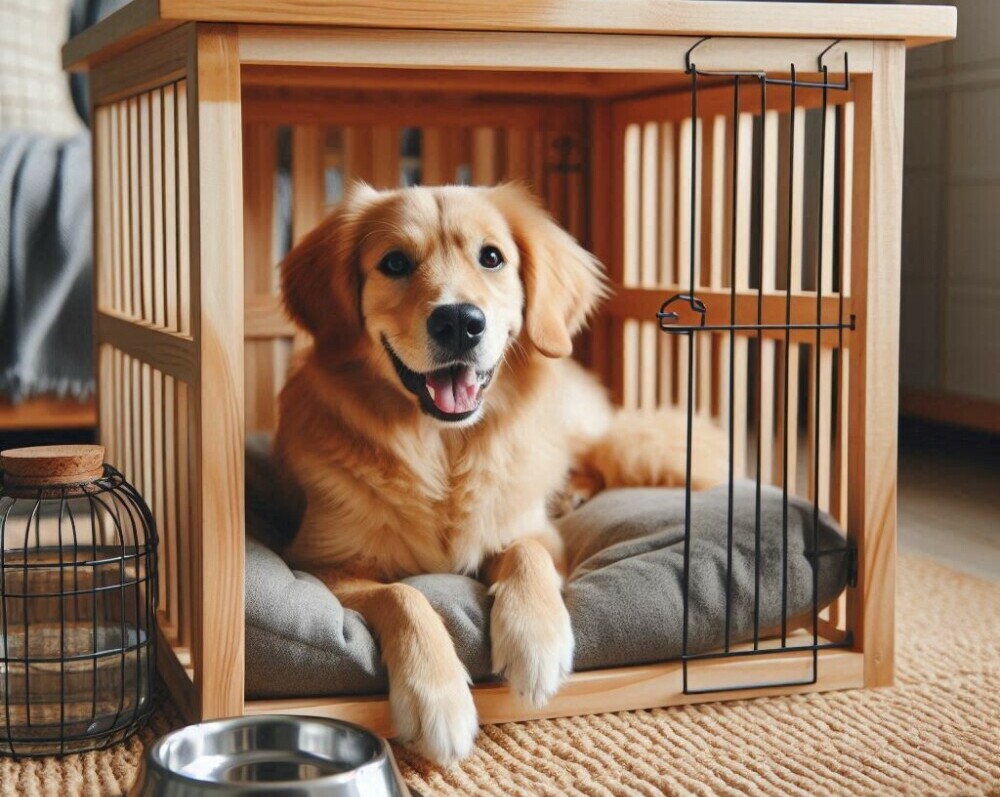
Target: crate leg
(216, 196)
(878, 167)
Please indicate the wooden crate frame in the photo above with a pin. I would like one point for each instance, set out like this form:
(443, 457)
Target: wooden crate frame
(181, 285)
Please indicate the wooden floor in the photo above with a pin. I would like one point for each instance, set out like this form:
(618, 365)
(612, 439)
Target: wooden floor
(949, 497)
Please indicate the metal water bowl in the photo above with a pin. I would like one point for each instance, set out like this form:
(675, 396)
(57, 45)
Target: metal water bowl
(273, 755)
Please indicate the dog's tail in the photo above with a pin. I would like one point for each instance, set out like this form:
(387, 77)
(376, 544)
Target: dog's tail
(648, 448)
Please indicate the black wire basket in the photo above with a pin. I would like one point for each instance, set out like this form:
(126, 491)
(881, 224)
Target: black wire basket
(78, 600)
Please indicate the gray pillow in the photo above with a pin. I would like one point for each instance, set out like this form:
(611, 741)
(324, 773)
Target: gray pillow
(624, 594)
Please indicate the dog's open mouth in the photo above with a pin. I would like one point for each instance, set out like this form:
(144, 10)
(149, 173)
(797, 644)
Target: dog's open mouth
(452, 393)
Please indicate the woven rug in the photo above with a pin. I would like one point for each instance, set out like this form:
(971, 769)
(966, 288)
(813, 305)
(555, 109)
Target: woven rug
(937, 732)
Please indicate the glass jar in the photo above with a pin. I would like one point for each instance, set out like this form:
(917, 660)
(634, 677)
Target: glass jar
(77, 602)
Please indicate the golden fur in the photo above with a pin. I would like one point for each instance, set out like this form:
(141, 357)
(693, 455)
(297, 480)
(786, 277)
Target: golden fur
(393, 491)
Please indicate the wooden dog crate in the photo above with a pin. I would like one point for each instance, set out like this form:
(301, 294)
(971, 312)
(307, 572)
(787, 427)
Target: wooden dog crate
(592, 106)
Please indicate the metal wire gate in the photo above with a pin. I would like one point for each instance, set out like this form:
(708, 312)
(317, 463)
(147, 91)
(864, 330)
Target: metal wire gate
(670, 321)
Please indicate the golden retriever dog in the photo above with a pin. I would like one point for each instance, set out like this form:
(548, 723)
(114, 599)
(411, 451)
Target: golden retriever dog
(435, 418)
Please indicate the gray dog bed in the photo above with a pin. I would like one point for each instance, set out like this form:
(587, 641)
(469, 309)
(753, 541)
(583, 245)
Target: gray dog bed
(624, 595)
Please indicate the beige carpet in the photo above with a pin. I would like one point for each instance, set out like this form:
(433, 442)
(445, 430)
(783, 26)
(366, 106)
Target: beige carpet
(937, 732)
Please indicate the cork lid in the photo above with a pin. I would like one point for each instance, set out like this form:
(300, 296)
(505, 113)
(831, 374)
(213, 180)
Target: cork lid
(43, 466)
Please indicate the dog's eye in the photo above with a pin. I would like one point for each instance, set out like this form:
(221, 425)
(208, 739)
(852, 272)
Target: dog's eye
(490, 257)
(395, 264)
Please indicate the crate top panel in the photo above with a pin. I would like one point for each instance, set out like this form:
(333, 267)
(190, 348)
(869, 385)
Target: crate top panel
(142, 19)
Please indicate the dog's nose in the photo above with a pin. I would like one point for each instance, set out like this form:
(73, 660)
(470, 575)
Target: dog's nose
(456, 327)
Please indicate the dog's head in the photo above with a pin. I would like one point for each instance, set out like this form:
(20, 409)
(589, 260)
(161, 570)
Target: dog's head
(438, 284)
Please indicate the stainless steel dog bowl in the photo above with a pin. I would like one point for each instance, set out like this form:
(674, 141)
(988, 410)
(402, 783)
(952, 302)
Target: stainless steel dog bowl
(273, 755)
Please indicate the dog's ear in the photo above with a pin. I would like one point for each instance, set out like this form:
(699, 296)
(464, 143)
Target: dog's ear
(563, 282)
(320, 277)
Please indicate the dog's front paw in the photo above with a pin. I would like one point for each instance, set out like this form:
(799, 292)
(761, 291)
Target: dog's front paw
(435, 715)
(532, 639)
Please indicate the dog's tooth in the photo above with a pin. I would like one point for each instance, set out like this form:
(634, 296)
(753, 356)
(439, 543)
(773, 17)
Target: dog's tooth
(431, 390)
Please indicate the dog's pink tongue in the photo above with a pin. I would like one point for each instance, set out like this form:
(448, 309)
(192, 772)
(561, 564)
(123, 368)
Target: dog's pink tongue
(454, 390)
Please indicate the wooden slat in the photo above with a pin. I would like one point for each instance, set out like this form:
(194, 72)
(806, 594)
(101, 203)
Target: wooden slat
(432, 158)
(717, 99)
(387, 47)
(266, 318)
(875, 356)
(710, 162)
(115, 301)
(486, 164)
(602, 167)
(158, 499)
(688, 175)
(599, 691)
(791, 264)
(769, 282)
(644, 304)
(106, 403)
(170, 209)
(184, 301)
(156, 147)
(259, 170)
(385, 156)
(496, 82)
(668, 221)
(821, 437)
(914, 24)
(649, 255)
(136, 410)
(173, 354)
(839, 485)
(716, 243)
(169, 527)
(149, 409)
(145, 208)
(359, 154)
(631, 207)
(187, 471)
(162, 61)
(741, 241)
(124, 170)
(217, 270)
(631, 210)
(103, 200)
(308, 188)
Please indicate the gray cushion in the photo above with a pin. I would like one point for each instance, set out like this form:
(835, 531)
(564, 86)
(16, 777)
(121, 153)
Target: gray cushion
(624, 595)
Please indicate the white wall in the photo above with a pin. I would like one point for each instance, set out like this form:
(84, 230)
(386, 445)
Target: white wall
(951, 216)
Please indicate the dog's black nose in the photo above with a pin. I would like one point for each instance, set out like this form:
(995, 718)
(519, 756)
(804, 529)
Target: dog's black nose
(456, 327)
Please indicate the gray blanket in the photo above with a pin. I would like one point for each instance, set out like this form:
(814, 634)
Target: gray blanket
(45, 265)
(46, 251)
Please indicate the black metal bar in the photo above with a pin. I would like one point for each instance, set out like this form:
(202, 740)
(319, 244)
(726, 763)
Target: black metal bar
(62, 633)
(24, 609)
(760, 368)
(787, 358)
(4, 612)
(752, 652)
(92, 503)
(732, 358)
(684, 330)
(69, 564)
(690, 408)
(816, 357)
